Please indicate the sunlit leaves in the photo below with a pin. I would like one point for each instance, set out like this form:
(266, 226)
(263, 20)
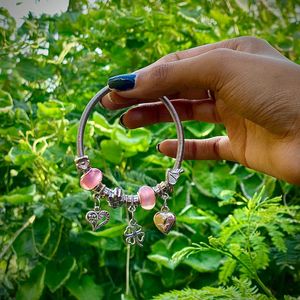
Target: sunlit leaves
(54, 109)
(20, 195)
(6, 102)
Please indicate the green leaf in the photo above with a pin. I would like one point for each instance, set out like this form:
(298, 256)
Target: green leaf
(84, 288)
(21, 155)
(41, 231)
(22, 117)
(199, 129)
(213, 179)
(6, 102)
(227, 270)
(112, 151)
(23, 246)
(136, 140)
(102, 127)
(20, 195)
(54, 109)
(32, 289)
(204, 261)
(163, 250)
(58, 272)
(31, 70)
(163, 260)
(150, 283)
(95, 238)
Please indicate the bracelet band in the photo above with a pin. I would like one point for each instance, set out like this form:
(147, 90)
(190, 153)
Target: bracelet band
(146, 196)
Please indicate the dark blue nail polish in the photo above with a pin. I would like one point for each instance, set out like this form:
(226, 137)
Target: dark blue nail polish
(122, 82)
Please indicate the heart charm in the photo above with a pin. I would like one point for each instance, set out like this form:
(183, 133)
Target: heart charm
(97, 218)
(164, 221)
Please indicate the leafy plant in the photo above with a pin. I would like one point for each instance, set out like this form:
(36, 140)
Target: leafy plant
(50, 67)
(247, 235)
(241, 290)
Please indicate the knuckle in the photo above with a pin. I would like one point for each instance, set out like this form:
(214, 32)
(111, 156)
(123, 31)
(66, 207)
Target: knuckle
(160, 72)
(221, 58)
(191, 150)
(216, 148)
(221, 54)
(253, 42)
(172, 57)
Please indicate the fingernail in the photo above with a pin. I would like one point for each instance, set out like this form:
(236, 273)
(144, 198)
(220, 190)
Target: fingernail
(100, 103)
(121, 121)
(157, 147)
(122, 82)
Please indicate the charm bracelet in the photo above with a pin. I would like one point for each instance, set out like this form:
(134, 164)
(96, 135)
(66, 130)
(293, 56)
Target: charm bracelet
(91, 179)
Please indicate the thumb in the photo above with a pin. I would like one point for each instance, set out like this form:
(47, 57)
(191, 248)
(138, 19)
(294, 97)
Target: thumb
(206, 71)
(216, 148)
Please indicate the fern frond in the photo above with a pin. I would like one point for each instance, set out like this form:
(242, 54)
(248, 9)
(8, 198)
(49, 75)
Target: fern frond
(185, 252)
(227, 270)
(277, 237)
(246, 263)
(241, 290)
(291, 258)
(261, 251)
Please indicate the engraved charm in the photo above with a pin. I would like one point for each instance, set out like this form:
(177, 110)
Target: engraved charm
(134, 234)
(97, 218)
(164, 221)
(173, 175)
(115, 198)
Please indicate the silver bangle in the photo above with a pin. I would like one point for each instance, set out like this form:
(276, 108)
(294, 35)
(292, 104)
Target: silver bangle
(92, 177)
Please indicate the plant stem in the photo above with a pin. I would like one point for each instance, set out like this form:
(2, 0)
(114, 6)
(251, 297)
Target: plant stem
(25, 225)
(255, 276)
(127, 270)
(264, 288)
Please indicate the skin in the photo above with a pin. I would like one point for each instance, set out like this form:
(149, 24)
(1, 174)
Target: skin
(243, 83)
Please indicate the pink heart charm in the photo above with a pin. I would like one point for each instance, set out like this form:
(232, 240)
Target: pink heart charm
(164, 221)
(97, 218)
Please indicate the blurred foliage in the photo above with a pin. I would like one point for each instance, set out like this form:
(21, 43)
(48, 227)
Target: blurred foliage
(240, 241)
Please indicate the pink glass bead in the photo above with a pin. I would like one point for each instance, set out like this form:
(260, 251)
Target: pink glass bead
(147, 197)
(91, 179)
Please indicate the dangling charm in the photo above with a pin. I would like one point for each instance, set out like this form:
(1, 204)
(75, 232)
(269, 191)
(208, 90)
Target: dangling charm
(97, 217)
(164, 219)
(133, 233)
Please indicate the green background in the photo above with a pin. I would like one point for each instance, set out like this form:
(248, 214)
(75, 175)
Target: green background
(246, 246)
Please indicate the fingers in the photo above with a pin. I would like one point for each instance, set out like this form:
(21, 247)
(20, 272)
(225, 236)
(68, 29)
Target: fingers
(114, 101)
(248, 44)
(206, 71)
(147, 114)
(216, 148)
(158, 70)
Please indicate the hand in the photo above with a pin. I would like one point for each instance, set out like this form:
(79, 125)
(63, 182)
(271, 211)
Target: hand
(243, 83)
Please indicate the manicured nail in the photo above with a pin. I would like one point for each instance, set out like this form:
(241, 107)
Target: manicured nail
(121, 121)
(122, 82)
(157, 147)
